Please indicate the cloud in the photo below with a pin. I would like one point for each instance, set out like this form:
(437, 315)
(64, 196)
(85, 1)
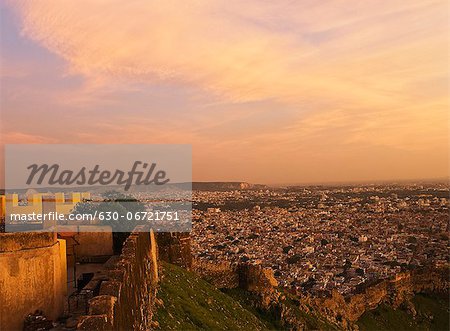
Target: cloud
(235, 49)
(15, 137)
(347, 76)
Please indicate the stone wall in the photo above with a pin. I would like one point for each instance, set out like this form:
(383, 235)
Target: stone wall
(250, 277)
(33, 276)
(175, 248)
(127, 297)
(221, 274)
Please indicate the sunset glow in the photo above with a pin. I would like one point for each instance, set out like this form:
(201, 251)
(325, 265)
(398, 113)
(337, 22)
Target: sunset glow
(265, 91)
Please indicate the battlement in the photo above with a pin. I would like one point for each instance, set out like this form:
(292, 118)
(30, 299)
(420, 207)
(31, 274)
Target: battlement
(39, 203)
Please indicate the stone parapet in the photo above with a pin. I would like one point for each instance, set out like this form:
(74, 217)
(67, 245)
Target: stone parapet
(127, 297)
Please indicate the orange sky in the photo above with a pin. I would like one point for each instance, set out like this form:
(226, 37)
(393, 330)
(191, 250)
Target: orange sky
(265, 91)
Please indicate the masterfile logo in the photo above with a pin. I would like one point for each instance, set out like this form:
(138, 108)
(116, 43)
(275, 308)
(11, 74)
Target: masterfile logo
(120, 186)
(53, 165)
(53, 175)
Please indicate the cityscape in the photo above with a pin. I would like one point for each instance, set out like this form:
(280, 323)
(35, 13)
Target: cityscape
(317, 239)
(222, 165)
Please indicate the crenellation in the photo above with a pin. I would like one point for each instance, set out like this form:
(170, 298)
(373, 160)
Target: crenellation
(39, 203)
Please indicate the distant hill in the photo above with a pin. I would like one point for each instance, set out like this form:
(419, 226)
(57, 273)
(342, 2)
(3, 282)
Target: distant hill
(226, 186)
(198, 186)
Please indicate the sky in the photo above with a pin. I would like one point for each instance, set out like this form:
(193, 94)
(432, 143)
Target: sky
(265, 91)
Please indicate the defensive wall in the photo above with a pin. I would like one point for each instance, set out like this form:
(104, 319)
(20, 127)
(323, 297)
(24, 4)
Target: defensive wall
(41, 203)
(175, 248)
(33, 276)
(127, 293)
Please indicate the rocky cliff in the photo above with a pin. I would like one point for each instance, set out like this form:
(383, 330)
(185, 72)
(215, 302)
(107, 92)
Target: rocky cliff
(344, 311)
(334, 311)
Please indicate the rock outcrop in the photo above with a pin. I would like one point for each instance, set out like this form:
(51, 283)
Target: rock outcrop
(344, 311)
(335, 309)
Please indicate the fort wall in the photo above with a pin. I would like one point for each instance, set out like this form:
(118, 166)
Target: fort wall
(221, 274)
(33, 276)
(250, 277)
(39, 203)
(127, 297)
(175, 248)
